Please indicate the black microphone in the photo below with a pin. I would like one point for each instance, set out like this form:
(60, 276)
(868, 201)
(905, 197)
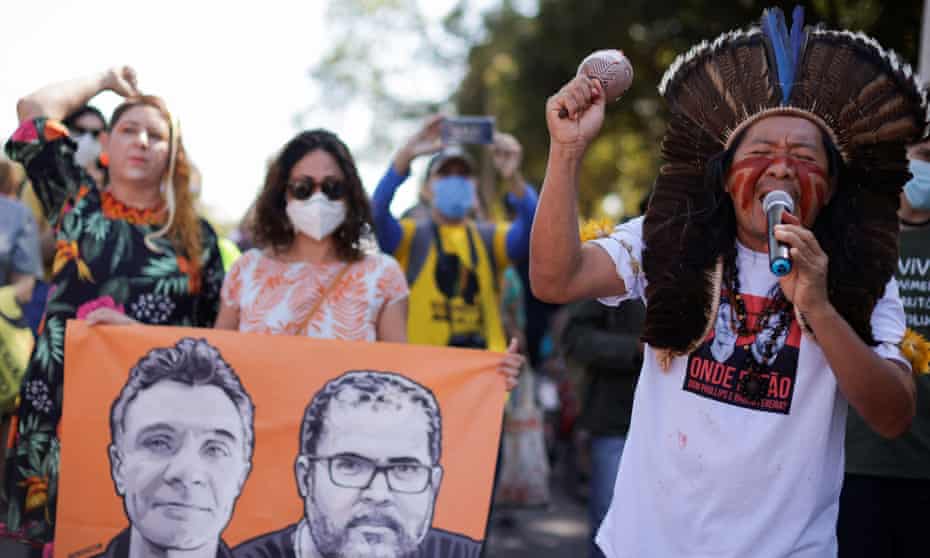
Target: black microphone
(774, 204)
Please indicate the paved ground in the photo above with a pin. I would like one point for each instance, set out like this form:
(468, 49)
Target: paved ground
(9, 549)
(559, 531)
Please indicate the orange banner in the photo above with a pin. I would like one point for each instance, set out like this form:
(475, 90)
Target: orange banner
(230, 443)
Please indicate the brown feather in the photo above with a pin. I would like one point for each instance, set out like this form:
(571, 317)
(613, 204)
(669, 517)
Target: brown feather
(872, 105)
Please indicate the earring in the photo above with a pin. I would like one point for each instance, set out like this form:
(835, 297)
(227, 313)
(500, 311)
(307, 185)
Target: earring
(104, 159)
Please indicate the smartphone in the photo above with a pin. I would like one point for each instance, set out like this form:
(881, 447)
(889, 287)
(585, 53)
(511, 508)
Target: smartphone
(468, 129)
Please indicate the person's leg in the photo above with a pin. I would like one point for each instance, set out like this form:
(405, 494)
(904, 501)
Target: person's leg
(864, 528)
(5, 422)
(912, 500)
(605, 460)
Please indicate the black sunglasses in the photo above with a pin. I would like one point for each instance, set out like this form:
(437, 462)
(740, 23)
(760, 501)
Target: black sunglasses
(80, 131)
(303, 188)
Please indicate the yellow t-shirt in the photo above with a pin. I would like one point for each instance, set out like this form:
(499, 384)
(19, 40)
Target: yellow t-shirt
(429, 322)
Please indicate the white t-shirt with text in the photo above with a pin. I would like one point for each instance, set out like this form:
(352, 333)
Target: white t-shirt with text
(708, 473)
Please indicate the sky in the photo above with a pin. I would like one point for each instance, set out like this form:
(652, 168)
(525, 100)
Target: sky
(235, 74)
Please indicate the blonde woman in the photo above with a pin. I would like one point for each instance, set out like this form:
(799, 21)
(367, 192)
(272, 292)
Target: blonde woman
(131, 250)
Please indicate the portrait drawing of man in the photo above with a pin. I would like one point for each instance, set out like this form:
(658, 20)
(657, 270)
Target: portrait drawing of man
(368, 470)
(182, 437)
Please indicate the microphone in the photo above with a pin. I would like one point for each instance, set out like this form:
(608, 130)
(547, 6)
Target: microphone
(611, 68)
(774, 204)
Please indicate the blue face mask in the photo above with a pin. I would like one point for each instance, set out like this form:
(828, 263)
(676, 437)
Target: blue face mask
(453, 196)
(917, 189)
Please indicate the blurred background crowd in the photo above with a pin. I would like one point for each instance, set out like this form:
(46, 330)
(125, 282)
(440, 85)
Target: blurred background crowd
(387, 78)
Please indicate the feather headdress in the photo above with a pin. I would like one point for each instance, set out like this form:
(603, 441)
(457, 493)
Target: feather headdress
(863, 98)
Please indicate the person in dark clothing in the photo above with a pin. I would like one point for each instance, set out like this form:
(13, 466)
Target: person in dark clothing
(85, 125)
(368, 470)
(605, 342)
(886, 487)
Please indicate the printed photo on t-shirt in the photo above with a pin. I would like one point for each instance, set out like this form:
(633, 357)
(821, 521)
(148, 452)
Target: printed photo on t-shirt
(741, 370)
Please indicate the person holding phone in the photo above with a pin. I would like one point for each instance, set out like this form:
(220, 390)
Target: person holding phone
(452, 262)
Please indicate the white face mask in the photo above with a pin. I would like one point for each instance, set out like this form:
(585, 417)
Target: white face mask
(318, 216)
(88, 149)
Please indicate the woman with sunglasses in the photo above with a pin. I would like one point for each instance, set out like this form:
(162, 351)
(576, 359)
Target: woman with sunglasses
(312, 273)
(317, 271)
(132, 250)
(85, 125)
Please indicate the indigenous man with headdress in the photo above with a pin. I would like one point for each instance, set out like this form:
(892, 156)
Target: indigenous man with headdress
(744, 457)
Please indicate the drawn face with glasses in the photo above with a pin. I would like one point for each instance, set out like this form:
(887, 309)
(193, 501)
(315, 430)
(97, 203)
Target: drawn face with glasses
(371, 488)
(354, 471)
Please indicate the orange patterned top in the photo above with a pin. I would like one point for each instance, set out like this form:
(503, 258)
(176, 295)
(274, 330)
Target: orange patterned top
(274, 297)
(115, 209)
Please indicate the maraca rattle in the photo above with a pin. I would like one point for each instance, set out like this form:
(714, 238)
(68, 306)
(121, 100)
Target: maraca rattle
(611, 68)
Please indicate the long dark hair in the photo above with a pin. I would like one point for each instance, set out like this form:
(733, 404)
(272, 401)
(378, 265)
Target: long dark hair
(835, 229)
(271, 226)
(688, 228)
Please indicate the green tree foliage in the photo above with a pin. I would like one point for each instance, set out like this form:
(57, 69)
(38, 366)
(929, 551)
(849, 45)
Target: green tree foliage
(522, 60)
(392, 59)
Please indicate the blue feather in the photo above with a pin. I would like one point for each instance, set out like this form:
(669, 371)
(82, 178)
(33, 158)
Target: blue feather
(797, 34)
(786, 47)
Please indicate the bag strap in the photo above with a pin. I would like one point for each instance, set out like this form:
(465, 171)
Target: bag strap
(487, 232)
(473, 253)
(329, 288)
(419, 249)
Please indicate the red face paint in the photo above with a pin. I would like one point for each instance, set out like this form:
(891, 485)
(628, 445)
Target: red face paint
(811, 177)
(742, 179)
(814, 188)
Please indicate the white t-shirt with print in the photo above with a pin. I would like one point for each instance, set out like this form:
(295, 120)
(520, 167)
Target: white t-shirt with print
(708, 473)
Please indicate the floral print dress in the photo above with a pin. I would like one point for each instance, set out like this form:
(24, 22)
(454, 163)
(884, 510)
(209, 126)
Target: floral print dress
(277, 297)
(101, 260)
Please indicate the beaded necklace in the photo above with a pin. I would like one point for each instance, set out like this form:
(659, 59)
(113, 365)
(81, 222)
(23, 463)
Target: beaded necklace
(753, 386)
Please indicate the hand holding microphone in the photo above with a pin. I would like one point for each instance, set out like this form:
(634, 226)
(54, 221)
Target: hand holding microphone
(795, 256)
(775, 204)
